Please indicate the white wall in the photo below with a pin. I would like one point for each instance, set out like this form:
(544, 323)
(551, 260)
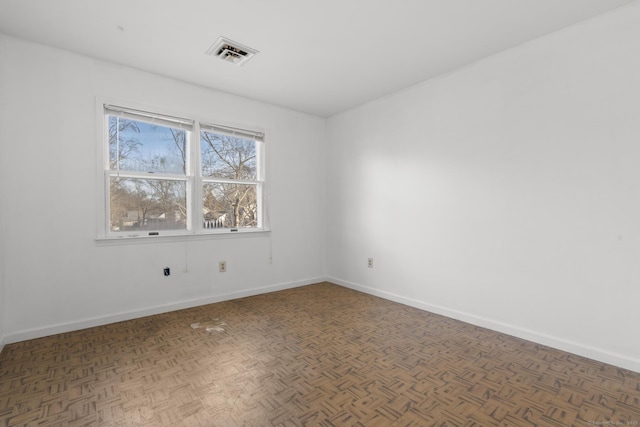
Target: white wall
(506, 194)
(2, 238)
(2, 245)
(57, 277)
(3, 179)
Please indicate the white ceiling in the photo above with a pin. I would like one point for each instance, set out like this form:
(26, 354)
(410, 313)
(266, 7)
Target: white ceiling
(316, 56)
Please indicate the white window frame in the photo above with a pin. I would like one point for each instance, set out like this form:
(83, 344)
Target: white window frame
(193, 176)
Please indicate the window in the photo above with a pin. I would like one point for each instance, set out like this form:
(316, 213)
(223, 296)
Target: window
(159, 181)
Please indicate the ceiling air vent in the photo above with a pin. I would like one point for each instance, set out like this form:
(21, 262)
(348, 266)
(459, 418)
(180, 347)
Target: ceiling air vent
(230, 51)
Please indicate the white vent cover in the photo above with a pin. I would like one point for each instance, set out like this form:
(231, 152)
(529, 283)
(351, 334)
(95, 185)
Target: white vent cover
(231, 51)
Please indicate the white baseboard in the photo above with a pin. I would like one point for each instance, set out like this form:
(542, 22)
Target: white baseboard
(149, 311)
(527, 334)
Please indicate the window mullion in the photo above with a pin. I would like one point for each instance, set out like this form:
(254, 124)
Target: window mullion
(196, 177)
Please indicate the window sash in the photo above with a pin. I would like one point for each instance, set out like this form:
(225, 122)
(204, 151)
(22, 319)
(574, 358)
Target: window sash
(224, 209)
(166, 214)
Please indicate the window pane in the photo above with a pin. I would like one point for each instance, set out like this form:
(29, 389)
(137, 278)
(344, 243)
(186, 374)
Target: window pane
(142, 147)
(229, 205)
(147, 204)
(228, 157)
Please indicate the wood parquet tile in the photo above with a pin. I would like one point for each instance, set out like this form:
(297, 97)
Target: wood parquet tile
(319, 355)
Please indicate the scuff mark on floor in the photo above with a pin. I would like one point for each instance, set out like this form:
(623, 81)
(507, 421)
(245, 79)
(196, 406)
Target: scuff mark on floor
(214, 325)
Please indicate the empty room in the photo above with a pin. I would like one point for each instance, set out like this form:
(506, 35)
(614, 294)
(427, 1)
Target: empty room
(305, 213)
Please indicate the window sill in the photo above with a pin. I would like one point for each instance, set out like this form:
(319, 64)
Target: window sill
(160, 238)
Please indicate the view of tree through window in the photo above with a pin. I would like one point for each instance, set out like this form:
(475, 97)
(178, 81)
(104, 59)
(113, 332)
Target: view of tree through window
(153, 175)
(136, 203)
(229, 171)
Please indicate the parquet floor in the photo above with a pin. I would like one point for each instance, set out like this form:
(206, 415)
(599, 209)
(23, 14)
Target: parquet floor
(319, 355)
